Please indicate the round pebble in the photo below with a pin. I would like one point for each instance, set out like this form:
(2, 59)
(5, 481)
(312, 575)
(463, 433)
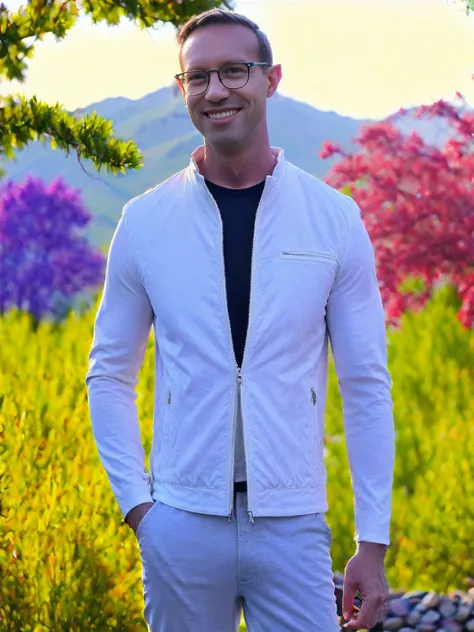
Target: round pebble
(423, 611)
(469, 626)
(431, 600)
(431, 616)
(399, 607)
(414, 617)
(463, 612)
(393, 623)
(447, 608)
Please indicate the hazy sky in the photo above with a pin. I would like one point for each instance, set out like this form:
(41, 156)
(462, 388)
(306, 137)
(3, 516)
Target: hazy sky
(364, 58)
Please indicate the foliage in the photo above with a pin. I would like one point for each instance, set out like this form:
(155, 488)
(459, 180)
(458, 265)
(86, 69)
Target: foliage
(70, 562)
(431, 361)
(24, 120)
(417, 201)
(44, 261)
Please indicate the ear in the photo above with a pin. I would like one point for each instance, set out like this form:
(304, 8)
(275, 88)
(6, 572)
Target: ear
(274, 75)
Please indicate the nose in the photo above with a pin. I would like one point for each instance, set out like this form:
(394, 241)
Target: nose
(216, 91)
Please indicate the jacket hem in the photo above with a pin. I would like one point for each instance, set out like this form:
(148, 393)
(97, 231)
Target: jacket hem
(269, 503)
(195, 499)
(289, 502)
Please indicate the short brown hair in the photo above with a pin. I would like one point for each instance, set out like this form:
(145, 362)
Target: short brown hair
(219, 16)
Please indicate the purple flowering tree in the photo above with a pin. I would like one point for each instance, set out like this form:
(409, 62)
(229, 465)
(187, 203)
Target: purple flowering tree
(45, 261)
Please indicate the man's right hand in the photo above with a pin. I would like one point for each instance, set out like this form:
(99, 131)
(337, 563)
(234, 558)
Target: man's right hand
(136, 515)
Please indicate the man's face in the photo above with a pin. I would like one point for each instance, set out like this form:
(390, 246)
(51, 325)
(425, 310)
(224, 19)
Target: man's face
(209, 48)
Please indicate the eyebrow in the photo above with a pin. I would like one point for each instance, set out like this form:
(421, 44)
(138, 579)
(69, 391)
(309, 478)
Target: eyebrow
(230, 61)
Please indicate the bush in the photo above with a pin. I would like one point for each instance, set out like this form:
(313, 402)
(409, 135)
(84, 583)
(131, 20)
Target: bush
(431, 360)
(70, 563)
(45, 262)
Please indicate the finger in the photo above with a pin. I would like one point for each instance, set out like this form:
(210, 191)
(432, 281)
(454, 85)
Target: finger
(369, 613)
(348, 596)
(353, 624)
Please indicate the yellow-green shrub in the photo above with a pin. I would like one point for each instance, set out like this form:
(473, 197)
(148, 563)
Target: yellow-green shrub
(431, 360)
(67, 562)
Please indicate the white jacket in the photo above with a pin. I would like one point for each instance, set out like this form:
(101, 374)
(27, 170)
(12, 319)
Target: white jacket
(313, 278)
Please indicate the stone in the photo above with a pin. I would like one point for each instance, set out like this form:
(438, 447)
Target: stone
(426, 627)
(404, 629)
(469, 626)
(430, 601)
(399, 607)
(414, 617)
(447, 608)
(393, 623)
(464, 611)
(450, 626)
(415, 595)
(430, 617)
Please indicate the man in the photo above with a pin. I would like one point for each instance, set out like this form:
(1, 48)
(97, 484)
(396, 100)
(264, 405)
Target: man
(245, 266)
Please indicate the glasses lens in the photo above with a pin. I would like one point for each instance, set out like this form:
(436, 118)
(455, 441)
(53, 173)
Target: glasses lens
(194, 82)
(234, 75)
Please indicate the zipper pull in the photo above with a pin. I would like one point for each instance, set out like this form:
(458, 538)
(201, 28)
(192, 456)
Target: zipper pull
(313, 396)
(169, 397)
(239, 375)
(230, 517)
(251, 517)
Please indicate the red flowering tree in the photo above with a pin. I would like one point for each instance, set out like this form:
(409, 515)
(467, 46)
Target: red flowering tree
(45, 260)
(417, 202)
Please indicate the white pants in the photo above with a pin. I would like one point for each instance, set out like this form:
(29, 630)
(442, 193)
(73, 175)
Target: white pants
(200, 571)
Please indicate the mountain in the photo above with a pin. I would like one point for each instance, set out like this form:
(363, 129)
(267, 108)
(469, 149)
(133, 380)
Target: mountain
(160, 126)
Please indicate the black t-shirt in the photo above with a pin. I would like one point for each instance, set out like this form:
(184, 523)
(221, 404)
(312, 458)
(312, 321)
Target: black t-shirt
(237, 208)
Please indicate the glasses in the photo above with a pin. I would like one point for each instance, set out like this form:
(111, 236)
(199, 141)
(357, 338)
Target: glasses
(233, 76)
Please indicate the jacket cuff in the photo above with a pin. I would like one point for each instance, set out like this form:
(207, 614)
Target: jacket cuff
(132, 498)
(377, 536)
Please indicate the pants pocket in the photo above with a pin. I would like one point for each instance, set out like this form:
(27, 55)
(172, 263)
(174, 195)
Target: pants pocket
(322, 520)
(144, 521)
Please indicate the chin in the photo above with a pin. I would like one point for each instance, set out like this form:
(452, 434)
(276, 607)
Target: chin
(225, 141)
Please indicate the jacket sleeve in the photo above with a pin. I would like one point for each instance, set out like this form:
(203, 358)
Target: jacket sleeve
(356, 327)
(119, 343)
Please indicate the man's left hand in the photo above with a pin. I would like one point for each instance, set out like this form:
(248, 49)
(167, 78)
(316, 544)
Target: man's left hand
(365, 572)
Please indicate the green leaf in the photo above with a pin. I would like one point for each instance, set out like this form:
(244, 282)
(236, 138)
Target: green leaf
(23, 120)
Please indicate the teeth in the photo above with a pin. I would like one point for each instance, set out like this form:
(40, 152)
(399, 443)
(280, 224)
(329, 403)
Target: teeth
(223, 114)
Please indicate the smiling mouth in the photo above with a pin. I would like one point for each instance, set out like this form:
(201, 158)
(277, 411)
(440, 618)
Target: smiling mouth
(222, 115)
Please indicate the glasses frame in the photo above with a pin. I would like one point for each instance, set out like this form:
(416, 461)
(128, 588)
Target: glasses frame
(249, 64)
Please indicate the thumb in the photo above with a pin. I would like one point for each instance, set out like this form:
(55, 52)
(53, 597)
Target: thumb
(348, 596)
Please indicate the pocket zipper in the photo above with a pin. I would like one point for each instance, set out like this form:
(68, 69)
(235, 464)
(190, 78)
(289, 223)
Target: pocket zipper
(308, 255)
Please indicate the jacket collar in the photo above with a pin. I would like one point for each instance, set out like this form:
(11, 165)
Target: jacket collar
(272, 182)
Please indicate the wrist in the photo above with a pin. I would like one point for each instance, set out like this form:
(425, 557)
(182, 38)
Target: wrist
(373, 547)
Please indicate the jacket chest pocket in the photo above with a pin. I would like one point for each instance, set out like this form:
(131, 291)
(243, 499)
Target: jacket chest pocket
(303, 280)
(306, 255)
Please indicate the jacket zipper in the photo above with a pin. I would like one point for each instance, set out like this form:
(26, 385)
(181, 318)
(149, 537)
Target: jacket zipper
(249, 481)
(238, 369)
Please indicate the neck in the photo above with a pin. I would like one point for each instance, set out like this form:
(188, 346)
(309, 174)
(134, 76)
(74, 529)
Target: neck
(238, 169)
